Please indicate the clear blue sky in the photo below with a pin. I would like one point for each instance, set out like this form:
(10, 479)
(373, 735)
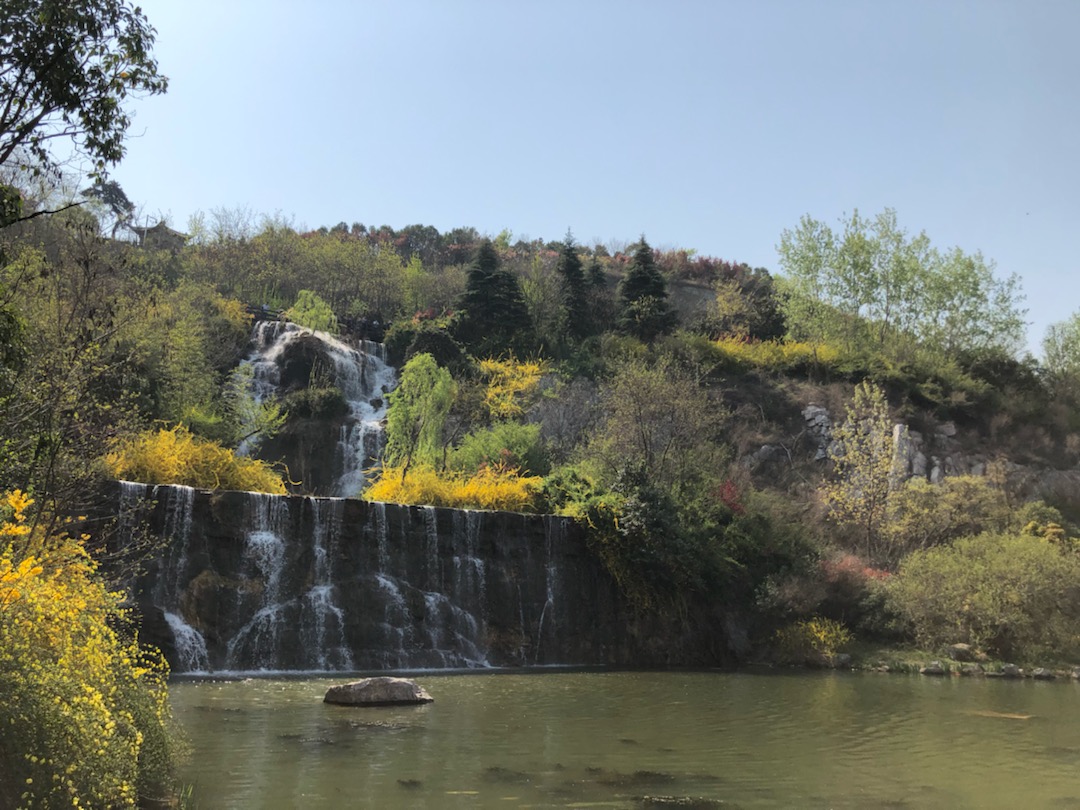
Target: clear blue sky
(707, 125)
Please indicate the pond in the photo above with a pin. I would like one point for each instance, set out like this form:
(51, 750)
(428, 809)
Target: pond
(608, 739)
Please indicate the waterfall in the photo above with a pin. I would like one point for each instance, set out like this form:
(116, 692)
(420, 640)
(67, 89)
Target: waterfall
(249, 582)
(361, 374)
(191, 652)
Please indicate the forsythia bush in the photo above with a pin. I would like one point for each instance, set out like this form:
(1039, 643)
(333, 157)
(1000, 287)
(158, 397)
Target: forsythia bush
(84, 714)
(177, 457)
(776, 355)
(814, 638)
(510, 384)
(489, 488)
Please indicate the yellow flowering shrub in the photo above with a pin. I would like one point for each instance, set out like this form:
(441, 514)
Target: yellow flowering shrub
(84, 714)
(775, 355)
(177, 457)
(489, 488)
(510, 384)
(815, 639)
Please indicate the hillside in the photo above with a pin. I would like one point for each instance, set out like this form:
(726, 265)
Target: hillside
(732, 441)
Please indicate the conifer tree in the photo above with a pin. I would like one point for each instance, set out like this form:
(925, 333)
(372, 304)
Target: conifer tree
(494, 317)
(643, 306)
(574, 291)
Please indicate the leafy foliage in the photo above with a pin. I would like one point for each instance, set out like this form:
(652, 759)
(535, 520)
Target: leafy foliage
(177, 457)
(1012, 595)
(65, 69)
(311, 312)
(862, 452)
(506, 444)
(922, 515)
(657, 417)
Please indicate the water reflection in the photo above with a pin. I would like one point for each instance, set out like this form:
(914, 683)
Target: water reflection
(615, 739)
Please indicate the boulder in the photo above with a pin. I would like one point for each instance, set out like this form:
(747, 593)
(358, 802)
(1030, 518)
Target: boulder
(960, 652)
(1043, 674)
(380, 691)
(933, 668)
(972, 670)
(1011, 671)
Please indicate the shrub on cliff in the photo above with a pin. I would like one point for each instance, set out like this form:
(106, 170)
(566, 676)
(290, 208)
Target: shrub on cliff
(177, 457)
(84, 710)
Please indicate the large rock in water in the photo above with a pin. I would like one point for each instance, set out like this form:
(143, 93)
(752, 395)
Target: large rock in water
(378, 692)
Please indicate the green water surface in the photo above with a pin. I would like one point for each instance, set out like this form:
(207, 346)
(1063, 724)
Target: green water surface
(561, 739)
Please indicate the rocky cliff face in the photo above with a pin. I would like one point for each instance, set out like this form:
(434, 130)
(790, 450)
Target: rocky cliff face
(246, 582)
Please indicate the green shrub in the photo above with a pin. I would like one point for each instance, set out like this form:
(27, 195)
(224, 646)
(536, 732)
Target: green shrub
(506, 444)
(1012, 595)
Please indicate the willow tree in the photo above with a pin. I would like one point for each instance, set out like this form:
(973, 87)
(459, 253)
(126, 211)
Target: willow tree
(417, 413)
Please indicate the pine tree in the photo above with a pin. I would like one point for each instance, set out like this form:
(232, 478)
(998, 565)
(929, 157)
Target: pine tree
(494, 317)
(574, 291)
(643, 306)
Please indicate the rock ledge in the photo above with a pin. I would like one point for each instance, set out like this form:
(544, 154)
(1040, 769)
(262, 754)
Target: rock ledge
(380, 691)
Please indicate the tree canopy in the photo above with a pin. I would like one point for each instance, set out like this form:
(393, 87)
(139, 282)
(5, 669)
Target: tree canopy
(871, 285)
(65, 69)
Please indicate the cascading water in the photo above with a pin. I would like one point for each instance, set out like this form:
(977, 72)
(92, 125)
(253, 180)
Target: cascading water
(361, 374)
(253, 582)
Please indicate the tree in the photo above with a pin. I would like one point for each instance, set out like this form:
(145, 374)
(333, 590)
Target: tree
(862, 452)
(1061, 348)
(417, 412)
(574, 293)
(65, 70)
(494, 316)
(110, 194)
(644, 311)
(659, 420)
(311, 312)
(872, 284)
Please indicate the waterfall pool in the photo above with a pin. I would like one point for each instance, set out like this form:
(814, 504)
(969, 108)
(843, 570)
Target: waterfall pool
(614, 739)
